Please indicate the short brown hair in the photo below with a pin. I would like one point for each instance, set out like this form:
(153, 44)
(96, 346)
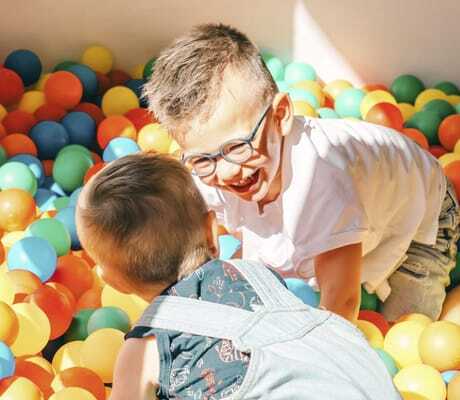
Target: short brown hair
(148, 206)
(187, 77)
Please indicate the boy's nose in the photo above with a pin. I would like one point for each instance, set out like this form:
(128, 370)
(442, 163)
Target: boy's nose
(226, 171)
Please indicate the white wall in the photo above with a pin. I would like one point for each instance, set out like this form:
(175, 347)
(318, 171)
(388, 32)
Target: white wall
(361, 40)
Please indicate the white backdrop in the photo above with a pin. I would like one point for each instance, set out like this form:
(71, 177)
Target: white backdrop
(362, 40)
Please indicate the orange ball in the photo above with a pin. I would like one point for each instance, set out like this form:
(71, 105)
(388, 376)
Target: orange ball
(90, 299)
(19, 388)
(80, 377)
(9, 326)
(24, 283)
(93, 110)
(115, 126)
(56, 306)
(417, 136)
(140, 117)
(93, 171)
(452, 171)
(2, 251)
(63, 89)
(50, 112)
(374, 86)
(65, 291)
(385, 114)
(19, 121)
(18, 143)
(17, 209)
(449, 131)
(48, 167)
(74, 273)
(437, 151)
(37, 374)
(96, 157)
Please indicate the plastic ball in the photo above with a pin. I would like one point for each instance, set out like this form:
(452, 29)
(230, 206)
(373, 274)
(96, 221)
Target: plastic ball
(10, 325)
(447, 158)
(53, 186)
(41, 82)
(16, 175)
(449, 131)
(120, 147)
(447, 376)
(428, 95)
(453, 388)
(7, 288)
(87, 78)
(334, 88)
(427, 122)
(79, 327)
(455, 273)
(228, 246)
(442, 107)
(119, 100)
(455, 101)
(49, 137)
(372, 333)
(93, 171)
(70, 168)
(98, 58)
(74, 273)
(154, 137)
(406, 88)
(118, 77)
(283, 86)
(304, 108)
(421, 380)
(74, 196)
(73, 393)
(417, 136)
(17, 143)
(50, 112)
(90, 299)
(385, 114)
(33, 163)
(99, 352)
(11, 87)
(140, 117)
(376, 318)
(31, 101)
(81, 128)
(115, 126)
(452, 171)
(7, 361)
(401, 342)
(348, 102)
(312, 87)
(148, 68)
(133, 305)
(68, 356)
(19, 121)
(3, 112)
(369, 301)
(388, 361)
(303, 291)
(2, 131)
(137, 85)
(26, 64)
(63, 89)
(373, 98)
(24, 283)
(34, 329)
(18, 388)
(451, 307)
(54, 232)
(326, 112)
(67, 217)
(35, 255)
(75, 147)
(407, 110)
(37, 374)
(304, 96)
(65, 291)
(297, 71)
(447, 87)
(92, 110)
(416, 317)
(79, 377)
(109, 317)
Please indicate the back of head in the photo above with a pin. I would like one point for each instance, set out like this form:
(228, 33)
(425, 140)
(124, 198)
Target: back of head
(188, 76)
(145, 214)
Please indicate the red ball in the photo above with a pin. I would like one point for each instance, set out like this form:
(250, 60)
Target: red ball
(377, 319)
(104, 83)
(48, 167)
(19, 121)
(437, 151)
(417, 136)
(63, 89)
(96, 157)
(118, 77)
(93, 171)
(18, 143)
(140, 117)
(452, 171)
(386, 114)
(93, 110)
(11, 87)
(449, 131)
(115, 126)
(50, 112)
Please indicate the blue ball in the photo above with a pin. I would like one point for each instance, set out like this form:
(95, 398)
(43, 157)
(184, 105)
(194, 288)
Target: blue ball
(120, 147)
(49, 137)
(34, 165)
(447, 376)
(298, 71)
(44, 199)
(74, 196)
(33, 254)
(80, 127)
(26, 64)
(303, 291)
(283, 86)
(303, 95)
(229, 245)
(67, 217)
(53, 186)
(137, 85)
(7, 361)
(87, 78)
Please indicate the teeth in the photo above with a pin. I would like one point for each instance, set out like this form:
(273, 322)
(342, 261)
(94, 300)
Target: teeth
(245, 182)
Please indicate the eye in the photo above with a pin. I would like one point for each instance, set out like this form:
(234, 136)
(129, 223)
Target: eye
(235, 148)
(201, 162)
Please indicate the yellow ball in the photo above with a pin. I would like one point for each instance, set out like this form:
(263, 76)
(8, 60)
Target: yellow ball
(10, 238)
(174, 148)
(68, 356)
(119, 100)
(447, 158)
(407, 110)
(138, 71)
(154, 137)
(41, 82)
(304, 109)
(132, 305)
(98, 58)
(420, 380)
(32, 100)
(34, 330)
(334, 88)
(22, 389)
(453, 99)
(99, 352)
(3, 112)
(42, 363)
(72, 393)
(373, 98)
(439, 345)
(401, 342)
(312, 87)
(373, 334)
(453, 389)
(7, 288)
(427, 95)
(9, 325)
(421, 318)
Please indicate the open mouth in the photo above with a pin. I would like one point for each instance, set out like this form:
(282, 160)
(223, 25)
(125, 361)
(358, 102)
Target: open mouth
(247, 184)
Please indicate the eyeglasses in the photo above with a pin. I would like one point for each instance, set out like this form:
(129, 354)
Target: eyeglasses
(236, 151)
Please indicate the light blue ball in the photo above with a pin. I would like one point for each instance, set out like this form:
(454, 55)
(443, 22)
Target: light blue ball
(34, 165)
(388, 361)
(228, 245)
(326, 112)
(447, 376)
(120, 147)
(33, 254)
(74, 196)
(303, 95)
(81, 128)
(87, 78)
(297, 71)
(67, 217)
(26, 64)
(283, 87)
(303, 291)
(276, 67)
(348, 103)
(49, 137)
(7, 361)
(44, 199)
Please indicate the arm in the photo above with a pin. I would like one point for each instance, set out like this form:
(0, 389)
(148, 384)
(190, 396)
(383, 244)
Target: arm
(137, 370)
(338, 273)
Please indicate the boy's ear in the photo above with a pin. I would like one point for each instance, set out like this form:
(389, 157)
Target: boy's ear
(283, 110)
(212, 233)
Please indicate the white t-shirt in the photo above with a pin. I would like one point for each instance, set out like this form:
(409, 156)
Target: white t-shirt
(344, 182)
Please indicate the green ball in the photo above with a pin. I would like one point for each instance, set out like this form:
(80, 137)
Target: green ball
(442, 107)
(428, 122)
(64, 65)
(368, 301)
(148, 69)
(70, 168)
(457, 108)
(109, 317)
(78, 329)
(303, 95)
(54, 232)
(326, 112)
(455, 273)
(348, 102)
(61, 202)
(72, 147)
(297, 71)
(388, 361)
(3, 156)
(447, 87)
(276, 68)
(406, 88)
(16, 175)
